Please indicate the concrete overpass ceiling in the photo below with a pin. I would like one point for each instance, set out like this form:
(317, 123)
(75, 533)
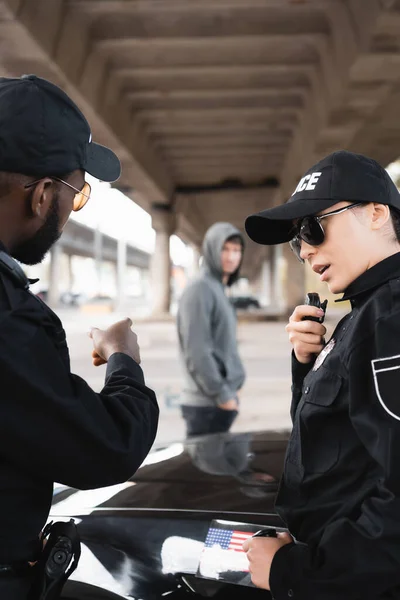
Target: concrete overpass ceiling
(210, 93)
(224, 205)
(366, 117)
(211, 83)
(47, 38)
(232, 89)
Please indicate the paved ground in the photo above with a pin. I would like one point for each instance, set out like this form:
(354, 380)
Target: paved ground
(263, 346)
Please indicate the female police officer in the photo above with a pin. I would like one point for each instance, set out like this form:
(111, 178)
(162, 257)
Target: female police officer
(340, 491)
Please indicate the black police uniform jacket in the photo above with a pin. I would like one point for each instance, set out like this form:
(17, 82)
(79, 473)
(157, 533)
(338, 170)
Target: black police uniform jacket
(53, 426)
(340, 491)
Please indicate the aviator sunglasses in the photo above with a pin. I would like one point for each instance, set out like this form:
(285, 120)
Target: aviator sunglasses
(81, 196)
(310, 230)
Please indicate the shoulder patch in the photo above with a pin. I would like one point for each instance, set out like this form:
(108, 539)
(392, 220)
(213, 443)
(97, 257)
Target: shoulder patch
(386, 372)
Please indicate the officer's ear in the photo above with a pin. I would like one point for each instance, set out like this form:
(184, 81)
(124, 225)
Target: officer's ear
(41, 198)
(380, 215)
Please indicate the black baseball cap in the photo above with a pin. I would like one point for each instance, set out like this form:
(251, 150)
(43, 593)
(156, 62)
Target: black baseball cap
(43, 132)
(340, 176)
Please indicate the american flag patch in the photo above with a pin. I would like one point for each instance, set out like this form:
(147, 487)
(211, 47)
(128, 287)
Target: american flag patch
(227, 539)
(222, 557)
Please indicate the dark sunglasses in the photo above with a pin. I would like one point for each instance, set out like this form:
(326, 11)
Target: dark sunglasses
(310, 230)
(81, 196)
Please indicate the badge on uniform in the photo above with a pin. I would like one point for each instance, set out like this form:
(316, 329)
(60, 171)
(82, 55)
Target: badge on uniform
(323, 354)
(387, 378)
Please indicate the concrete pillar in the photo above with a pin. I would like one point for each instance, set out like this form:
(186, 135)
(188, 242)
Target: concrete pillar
(146, 285)
(98, 256)
(53, 296)
(256, 284)
(164, 222)
(265, 283)
(121, 274)
(70, 272)
(295, 280)
(195, 266)
(261, 284)
(275, 274)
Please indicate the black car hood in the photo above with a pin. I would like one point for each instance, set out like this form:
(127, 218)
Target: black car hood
(220, 472)
(144, 538)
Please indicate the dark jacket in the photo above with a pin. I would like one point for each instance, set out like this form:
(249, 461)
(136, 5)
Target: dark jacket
(53, 426)
(340, 492)
(206, 321)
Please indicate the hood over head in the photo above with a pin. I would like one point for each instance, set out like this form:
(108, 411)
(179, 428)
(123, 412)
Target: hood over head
(213, 243)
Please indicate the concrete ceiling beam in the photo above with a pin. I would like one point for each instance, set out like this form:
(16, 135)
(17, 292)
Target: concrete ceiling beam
(112, 6)
(211, 78)
(258, 140)
(286, 99)
(107, 22)
(221, 115)
(229, 145)
(234, 166)
(199, 153)
(211, 99)
(191, 176)
(207, 51)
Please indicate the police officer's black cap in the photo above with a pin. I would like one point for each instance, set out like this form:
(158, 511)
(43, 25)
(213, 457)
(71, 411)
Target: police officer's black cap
(43, 132)
(341, 176)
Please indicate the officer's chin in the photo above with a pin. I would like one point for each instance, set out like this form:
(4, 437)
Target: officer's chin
(335, 288)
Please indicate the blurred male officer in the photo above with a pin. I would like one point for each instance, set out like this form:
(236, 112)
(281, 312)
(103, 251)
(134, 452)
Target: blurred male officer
(206, 323)
(340, 491)
(53, 426)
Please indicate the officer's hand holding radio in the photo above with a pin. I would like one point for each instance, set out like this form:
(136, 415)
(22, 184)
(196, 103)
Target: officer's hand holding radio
(305, 328)
(117, 338)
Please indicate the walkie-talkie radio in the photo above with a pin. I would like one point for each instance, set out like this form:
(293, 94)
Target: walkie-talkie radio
(313, 299)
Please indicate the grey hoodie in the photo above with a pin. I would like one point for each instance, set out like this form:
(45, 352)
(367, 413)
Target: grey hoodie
(206, 321)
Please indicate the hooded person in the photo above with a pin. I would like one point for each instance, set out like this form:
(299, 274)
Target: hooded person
(206, 322)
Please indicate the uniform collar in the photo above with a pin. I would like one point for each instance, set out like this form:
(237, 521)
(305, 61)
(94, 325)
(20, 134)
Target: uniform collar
(4, 249)
(384, 271)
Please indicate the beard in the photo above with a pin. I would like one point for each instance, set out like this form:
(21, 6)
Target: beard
(33, 251)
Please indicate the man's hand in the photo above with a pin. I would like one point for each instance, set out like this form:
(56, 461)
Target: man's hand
(117, 338)
(260, 552)
(307, 337)
(230, 405)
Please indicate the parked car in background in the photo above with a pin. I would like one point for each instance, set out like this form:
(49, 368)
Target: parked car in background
(244, 302)
(72, 299)
(146, 538)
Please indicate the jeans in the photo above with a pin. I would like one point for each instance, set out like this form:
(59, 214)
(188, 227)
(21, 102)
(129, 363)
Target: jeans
(201, 420)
